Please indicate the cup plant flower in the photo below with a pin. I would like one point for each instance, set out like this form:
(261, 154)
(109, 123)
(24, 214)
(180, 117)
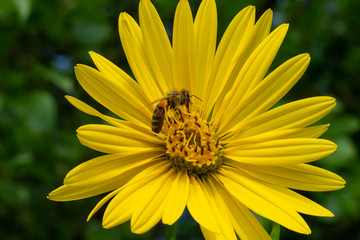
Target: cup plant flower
(198, 128)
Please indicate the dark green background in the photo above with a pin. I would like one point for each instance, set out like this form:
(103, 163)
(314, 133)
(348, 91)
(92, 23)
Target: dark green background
(41, 41)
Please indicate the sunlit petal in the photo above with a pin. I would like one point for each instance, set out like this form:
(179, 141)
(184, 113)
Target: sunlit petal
(284, 151)
(205, 33)
(299, 176)
(262, 202)
(177, 196)
(123, 205)
(244, 222)
(156, 46)
(227, 54)
(132, 42)
(184, 48)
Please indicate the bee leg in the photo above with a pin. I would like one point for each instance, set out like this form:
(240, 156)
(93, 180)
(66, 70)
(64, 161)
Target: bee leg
(178, 109)
(168, 120)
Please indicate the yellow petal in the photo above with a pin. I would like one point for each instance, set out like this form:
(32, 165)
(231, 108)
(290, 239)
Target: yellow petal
(264, 205)
(220, 209)
(253, 71)
(284, 151)
(157, 46)
(122, 206)
(109, 139)
(150, 206)
(227, 54)
(105, 167)
(309, 132)
(183, 45)
(260, 60)
(299, 203)
(208, 235)
(132, 42)
(175, 202)
(70, 192)
(130, 88)
(278, 195)
(102, 202)
(259, 32)
(125, 203)
(116, 122)
(298, 176)
(91, 111)
(297, 114)
(199, 206)
(246, 225)
(107, 92)
(254, 36)
(269, 91)
(205, 30)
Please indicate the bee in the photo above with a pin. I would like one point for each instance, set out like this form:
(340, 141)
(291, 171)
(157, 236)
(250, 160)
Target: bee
(171, 101)
(158, 117)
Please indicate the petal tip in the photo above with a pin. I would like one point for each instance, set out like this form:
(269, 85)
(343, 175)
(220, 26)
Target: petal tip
(52, 195)
(251, 7)
(285, 26)
(68, 97)
(305, 55)
(268, 13)
(106, 226)
(123, 18)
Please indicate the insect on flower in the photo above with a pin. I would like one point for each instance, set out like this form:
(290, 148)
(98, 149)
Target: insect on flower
(172, 101)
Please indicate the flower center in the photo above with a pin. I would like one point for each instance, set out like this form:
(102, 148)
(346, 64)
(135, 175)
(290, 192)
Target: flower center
(191, 142)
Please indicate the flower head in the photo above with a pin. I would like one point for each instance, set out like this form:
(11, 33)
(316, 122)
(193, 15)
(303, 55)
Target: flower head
(198, 130)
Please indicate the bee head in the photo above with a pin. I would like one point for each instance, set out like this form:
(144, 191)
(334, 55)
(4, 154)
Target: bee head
(185, 96)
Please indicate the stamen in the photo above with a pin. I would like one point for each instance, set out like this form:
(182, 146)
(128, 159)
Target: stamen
(192, 134)
(191, 143)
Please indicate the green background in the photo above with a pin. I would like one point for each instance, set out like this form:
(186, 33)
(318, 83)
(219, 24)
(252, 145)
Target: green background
(41, 41)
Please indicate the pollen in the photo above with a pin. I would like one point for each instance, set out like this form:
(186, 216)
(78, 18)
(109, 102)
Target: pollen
(191, 142)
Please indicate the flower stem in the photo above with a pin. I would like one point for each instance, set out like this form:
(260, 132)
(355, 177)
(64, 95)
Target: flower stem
(170, 231)
(275, 232)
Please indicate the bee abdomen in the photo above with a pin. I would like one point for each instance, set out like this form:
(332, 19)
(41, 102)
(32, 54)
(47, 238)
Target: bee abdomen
(157, 119)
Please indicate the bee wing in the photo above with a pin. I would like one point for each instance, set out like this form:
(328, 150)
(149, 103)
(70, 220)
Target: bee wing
(153, 102)
(158, 100)
(172, 94)
(166, 97)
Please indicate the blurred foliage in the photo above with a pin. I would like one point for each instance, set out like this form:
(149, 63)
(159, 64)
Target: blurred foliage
(41, 41)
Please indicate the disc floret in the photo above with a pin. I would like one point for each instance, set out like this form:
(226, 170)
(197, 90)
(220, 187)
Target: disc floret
(191, 142)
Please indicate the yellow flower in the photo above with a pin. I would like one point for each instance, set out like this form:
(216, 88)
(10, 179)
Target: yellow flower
(222, 151)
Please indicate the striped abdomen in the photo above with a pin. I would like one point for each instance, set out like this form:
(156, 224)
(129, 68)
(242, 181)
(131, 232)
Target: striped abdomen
(158, 117)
